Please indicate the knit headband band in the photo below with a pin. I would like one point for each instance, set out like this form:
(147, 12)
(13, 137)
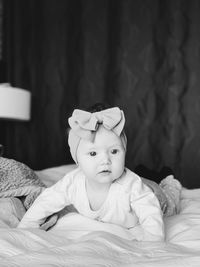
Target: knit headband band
(84, 125)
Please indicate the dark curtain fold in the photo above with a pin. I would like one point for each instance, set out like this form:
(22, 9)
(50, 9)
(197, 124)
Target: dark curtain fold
(140, 55)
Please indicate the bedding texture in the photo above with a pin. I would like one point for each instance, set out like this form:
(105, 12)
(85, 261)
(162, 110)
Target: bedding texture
(79, 241)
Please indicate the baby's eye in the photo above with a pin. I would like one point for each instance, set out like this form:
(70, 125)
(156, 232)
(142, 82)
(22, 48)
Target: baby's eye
(114, 151)
(92, 153)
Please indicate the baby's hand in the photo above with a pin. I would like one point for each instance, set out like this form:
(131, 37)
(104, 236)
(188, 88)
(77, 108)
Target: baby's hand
(50, 222)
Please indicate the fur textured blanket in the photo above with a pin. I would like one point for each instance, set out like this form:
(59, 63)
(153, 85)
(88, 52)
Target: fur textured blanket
(18, 180)
(19, 187)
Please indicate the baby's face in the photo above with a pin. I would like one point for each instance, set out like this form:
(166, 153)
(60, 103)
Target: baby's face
(103, 160)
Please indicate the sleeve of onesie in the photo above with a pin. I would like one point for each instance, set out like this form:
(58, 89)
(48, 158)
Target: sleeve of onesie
(51, 200)
(147, 208)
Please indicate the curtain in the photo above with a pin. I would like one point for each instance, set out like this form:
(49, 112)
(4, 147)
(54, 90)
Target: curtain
(143, 56)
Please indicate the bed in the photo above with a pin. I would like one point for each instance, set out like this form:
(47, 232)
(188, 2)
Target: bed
(78, 241)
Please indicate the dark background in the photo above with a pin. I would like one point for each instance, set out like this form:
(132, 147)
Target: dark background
(143, 56)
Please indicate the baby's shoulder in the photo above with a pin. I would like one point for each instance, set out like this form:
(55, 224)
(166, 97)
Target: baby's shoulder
(73, 176)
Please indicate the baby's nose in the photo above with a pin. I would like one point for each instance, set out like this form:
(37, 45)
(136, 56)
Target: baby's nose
(105, 159)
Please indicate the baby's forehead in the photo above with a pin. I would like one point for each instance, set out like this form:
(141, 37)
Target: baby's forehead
(103, 138)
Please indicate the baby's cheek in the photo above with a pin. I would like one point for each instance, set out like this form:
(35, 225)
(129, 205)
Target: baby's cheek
(119, 169)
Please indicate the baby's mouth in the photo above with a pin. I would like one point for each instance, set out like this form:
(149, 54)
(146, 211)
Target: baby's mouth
(105, 171)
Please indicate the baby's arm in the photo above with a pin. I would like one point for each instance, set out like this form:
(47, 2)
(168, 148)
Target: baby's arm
(147, 208)
(51, 200)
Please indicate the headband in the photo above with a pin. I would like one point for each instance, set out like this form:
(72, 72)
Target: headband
(84, 125)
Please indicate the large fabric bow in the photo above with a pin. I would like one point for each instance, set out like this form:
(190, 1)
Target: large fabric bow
(84, 124)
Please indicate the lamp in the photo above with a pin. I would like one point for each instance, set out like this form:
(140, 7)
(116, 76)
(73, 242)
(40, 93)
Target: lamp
(15, 104)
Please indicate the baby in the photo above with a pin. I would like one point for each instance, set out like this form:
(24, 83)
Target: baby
(101, 187)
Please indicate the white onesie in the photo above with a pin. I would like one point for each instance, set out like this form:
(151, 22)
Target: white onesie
(129, 203)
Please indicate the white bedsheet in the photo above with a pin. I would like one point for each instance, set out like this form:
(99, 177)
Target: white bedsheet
(56, 248)
(77, 241)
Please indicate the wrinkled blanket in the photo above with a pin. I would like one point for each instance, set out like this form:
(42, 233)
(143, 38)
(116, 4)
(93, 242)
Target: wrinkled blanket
(77, 241)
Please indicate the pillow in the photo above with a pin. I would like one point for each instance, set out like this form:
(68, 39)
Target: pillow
(50, 176)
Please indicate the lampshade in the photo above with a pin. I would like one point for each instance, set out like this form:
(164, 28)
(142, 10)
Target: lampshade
(15, 103)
